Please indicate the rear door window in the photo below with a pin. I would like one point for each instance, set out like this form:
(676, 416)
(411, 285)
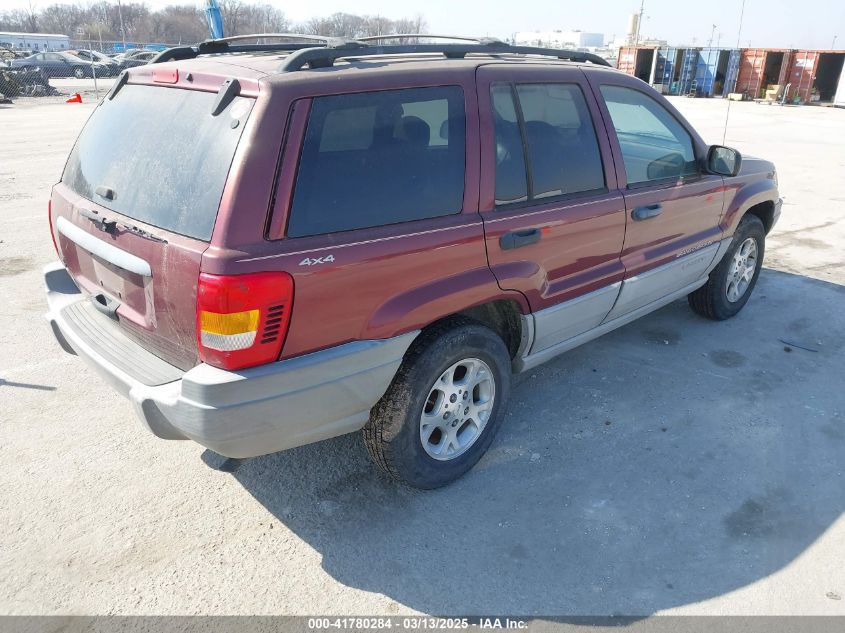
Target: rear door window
(162, 153)
(511, 177)
(379, 158)
(548, 128)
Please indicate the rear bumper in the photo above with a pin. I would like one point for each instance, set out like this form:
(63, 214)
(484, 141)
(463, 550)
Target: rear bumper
(246, 413)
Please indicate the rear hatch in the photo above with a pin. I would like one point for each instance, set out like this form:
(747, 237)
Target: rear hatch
(136, 207)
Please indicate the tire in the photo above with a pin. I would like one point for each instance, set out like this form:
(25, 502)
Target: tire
(78, 72)
(722, 297)
(477, 370)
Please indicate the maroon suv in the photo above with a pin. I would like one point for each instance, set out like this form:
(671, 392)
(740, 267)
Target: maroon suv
(266, 245)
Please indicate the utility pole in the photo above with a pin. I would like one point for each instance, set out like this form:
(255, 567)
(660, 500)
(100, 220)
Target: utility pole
(833, 46)
(640, 23)
(712, 33)
(122, 30)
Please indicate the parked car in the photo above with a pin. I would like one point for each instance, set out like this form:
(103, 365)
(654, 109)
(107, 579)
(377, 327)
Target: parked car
(282, 250)
(134, 58)
(61, 65)
(110, 68)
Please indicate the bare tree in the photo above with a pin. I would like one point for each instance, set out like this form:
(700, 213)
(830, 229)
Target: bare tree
(62, 18)
(183, 23)
(416, 24)
(352, 26)
(22, 20)
(30, 16)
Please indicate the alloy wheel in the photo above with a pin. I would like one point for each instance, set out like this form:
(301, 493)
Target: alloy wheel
(457, 409)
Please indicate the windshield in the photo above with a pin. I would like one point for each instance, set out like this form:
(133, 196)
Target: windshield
(158, 155)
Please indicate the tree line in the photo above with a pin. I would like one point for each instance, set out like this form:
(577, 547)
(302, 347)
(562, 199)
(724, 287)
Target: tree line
(186, 23)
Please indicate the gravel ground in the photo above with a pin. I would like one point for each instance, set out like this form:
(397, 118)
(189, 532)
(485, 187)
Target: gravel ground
(673, 466)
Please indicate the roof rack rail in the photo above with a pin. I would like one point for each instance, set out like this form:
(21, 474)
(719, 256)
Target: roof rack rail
(274, 36)
(316, 51)
(229, 45)
(322, 57)
(430, 36)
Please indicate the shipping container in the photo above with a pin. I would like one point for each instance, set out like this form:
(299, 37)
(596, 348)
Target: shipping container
(732, 73)
(814, 76)
(760, 68)
(637, 61)
(674, 70)
(839, 99)
(715, 73)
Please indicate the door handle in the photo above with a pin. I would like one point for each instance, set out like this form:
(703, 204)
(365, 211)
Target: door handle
(650, 211)
(516, 239)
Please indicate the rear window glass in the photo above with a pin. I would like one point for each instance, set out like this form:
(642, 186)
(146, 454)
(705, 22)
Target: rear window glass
(563, 151)
(377, 158)
(162, 154)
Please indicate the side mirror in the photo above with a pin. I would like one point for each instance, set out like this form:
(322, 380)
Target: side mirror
(724, 161)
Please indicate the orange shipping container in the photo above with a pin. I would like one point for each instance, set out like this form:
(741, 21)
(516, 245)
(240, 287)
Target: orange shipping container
(814, 75)
(637, 61)
(627, 60)
(761, 67)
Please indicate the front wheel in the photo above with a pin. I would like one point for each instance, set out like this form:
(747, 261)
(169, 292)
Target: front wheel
(79, 72)
(442, 411)
(730, 284)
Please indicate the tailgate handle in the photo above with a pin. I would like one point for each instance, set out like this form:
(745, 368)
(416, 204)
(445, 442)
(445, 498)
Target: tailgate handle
(98, 247)
(106, 305)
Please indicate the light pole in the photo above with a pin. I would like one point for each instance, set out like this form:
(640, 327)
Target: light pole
(833, 46)
(712, 33)
(640, 22)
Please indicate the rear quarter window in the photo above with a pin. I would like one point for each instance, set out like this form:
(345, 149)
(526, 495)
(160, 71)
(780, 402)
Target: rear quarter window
(162, 153)
(378, 158)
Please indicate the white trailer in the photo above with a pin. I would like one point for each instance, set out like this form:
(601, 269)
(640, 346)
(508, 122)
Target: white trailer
(34, 41)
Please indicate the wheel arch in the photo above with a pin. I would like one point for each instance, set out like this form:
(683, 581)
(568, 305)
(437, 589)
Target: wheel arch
(765, 211)
(757, 198)
(504, 316)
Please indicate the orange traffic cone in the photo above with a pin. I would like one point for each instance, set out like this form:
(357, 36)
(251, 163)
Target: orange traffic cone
(77, 98)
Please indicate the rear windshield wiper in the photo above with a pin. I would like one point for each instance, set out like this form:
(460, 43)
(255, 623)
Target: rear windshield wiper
(109, 226)
(145, 234)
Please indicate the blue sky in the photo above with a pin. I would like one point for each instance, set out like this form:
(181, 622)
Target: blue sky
(776, 23)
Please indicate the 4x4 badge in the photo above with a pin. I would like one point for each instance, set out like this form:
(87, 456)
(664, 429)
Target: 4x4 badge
(313, 261)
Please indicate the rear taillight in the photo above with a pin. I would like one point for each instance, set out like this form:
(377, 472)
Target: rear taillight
(50, 221)
(242, 320)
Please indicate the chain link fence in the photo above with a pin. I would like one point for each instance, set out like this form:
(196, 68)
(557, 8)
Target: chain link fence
(85, 67)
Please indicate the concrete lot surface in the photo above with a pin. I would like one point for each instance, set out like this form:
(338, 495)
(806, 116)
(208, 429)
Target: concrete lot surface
(676, 465)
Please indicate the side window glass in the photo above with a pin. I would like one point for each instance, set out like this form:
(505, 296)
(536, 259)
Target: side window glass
(511, 184)
(563, 151)
(550, 130)
(378, 158)
(655, 146)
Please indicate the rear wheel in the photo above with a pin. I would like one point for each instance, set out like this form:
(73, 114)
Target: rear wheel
(78, 72)
(730, 284)
(444, 406)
